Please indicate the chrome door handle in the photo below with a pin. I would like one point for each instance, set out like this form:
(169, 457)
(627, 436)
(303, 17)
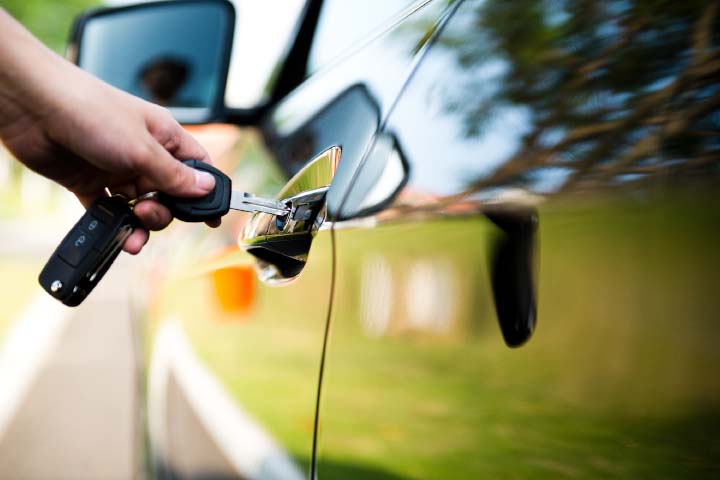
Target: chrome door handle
(304, 210)
(281, 243)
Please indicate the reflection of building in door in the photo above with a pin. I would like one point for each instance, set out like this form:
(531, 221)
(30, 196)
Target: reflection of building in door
(418, 296)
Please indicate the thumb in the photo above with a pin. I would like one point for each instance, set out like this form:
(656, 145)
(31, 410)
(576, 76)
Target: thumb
(171, 176)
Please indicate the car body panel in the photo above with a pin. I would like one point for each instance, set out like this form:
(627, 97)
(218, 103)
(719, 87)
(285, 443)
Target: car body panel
(266, 349)
(536, 294)
(618, 380)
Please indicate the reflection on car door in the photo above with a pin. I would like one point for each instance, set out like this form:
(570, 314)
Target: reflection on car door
(539, 299)
(260, 356)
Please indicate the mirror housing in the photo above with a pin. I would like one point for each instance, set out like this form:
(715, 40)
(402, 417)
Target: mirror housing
(175, 54)
(260, 64)
(382, 176)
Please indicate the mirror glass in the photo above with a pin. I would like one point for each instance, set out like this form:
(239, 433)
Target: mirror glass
(381, 178)
(172, 54)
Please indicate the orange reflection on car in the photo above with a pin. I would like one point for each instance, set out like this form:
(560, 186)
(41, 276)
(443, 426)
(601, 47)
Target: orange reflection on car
(234, 288)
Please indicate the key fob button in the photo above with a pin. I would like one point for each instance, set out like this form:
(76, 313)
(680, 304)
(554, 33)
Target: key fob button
(76, 247)
(92, 224)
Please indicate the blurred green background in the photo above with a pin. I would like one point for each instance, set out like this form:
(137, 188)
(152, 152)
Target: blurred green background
(49, 20)
(28, 202)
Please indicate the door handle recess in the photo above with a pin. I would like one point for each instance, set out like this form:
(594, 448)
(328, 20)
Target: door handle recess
(281, 244)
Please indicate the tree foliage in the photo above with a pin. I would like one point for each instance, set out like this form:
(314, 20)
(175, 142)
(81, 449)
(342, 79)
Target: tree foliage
(614, 89)
(49, 20)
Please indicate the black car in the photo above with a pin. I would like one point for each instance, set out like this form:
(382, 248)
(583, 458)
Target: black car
(502, 260)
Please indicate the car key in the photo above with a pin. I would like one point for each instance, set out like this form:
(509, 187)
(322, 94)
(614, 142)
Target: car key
(88, 250)
(218, 202)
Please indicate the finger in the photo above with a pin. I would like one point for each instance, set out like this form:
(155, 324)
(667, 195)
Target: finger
(175, 139)
(144, 185)
(169, 175)
(136, 241)
(214, 223)
(87, 199)
(187, 148)
(152, 215)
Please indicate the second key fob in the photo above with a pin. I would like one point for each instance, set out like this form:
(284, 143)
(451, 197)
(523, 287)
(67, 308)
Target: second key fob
(88, 250)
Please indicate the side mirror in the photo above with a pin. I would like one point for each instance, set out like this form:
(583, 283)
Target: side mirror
(183, 53)
(382, 177)
(175, 54)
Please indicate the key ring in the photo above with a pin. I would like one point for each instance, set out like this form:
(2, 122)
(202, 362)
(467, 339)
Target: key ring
(144, 196)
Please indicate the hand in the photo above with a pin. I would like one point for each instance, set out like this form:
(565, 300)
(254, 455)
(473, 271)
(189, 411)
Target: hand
(87, 135)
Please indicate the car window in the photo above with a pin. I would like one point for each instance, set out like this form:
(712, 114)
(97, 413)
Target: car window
(263, 33)
(342, 24)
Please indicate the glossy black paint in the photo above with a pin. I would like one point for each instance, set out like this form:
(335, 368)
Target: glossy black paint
(527, 109)
(557, 194)
(512, 273)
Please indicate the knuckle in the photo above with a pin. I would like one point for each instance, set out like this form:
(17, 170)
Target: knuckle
(165, 129)
(172, 142)
(140, 154)
(153, 215)
(178, 179)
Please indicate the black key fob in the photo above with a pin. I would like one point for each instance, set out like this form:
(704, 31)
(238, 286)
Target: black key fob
(88, 250)
(213, 205)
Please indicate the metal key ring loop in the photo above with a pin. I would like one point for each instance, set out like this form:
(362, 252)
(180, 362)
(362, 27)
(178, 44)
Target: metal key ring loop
(144, 196)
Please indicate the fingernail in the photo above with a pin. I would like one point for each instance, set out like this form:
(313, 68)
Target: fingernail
(204, 181)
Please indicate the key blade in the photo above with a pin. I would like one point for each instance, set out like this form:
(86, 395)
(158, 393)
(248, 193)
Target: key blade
(247, 202)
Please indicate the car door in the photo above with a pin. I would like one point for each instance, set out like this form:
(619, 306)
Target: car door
(238, 335)
(537, 297)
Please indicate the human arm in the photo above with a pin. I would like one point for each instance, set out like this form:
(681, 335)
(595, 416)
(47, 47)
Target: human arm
(86, 135)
